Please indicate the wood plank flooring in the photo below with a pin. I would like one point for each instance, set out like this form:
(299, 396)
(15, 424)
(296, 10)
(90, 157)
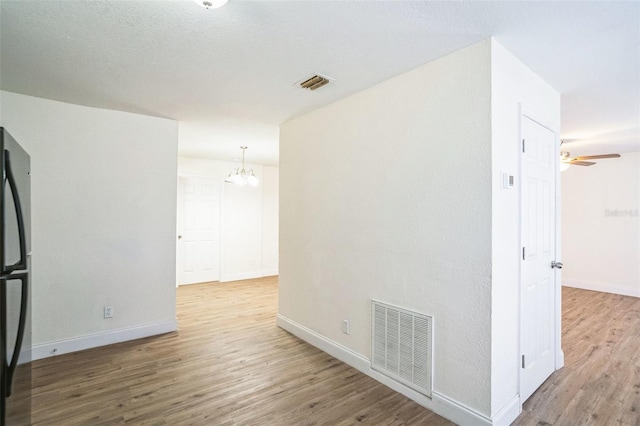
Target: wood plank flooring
(600, 382)
(230, 365)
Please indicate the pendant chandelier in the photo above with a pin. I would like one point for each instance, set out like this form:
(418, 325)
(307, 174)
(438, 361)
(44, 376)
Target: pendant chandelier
(211, 4)
(242, 177)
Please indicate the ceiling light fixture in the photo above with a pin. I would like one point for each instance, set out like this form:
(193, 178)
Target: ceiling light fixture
(211, 4)
(242, 177)
(567, 160)
(564, 161)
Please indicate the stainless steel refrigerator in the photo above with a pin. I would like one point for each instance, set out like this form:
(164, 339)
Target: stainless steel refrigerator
(15, 307)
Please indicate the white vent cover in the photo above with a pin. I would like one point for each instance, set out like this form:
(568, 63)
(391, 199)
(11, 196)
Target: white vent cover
(402, 346)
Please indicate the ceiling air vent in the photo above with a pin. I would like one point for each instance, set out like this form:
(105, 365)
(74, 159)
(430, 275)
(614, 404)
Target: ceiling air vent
(314, 82)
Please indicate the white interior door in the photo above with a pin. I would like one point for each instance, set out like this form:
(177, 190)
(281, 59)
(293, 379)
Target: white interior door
(198, 251)
(538, 284)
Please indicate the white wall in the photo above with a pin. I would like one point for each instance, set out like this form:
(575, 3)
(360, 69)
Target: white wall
(395, 194)
(386, 195)
(249, 218)
(103, 221)
(601, 226)
(514, 86)
(270, 216)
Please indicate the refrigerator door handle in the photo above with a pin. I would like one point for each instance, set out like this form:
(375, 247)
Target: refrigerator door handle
(10, 368)
(22, 263)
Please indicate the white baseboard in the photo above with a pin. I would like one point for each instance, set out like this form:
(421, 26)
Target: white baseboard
(603, 287)
(238, 276)
(508, 413)
(439, 403)
(269, 272)
(454, 411)
(334, 349)
(559, 359)
(101, 339)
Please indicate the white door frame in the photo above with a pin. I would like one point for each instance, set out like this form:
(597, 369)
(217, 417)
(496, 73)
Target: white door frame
(221, 233)
(558, 352)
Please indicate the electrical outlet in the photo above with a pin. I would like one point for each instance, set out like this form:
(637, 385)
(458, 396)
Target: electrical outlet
(108, 312)
(346, 327)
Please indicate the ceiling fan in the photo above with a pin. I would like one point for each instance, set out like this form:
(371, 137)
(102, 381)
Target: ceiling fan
(582, 160)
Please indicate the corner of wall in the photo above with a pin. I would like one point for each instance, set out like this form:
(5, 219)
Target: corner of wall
(438, 403)
(514, 89)
(349, 237)
(103, 225)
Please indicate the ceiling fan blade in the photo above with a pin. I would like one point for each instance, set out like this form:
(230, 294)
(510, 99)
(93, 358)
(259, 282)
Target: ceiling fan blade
(581, 163)
(594, 157)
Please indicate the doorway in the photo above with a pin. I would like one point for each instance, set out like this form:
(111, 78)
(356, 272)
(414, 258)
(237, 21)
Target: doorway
(198, 224)
(539, 284)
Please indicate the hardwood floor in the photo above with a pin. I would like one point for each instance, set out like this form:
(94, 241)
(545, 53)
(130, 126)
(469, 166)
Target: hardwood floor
(230, 365)
(600, 383)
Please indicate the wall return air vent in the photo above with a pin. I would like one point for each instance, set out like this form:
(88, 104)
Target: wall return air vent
(402, 346)
(315, 82)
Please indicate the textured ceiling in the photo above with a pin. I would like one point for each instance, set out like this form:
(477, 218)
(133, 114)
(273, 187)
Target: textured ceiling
(228, 74)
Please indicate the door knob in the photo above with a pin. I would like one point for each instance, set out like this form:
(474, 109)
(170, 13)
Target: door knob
(179, 237)
(557, 265)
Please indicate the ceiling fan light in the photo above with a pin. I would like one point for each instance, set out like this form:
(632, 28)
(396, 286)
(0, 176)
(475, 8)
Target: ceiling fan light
(211, 4)
(581, 160)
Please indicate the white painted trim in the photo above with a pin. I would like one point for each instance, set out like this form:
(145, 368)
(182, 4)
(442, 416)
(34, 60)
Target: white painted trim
(541, 120)
(238, 276)
(559, 355)
(603, 287)
(520, 244)
(223, 227)
(558, 352)
(508, 413)
(101, 339)
(179, 209)
(334, 349)
(439, 403)
(269, 272)
(453, 410)
(559, 359)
